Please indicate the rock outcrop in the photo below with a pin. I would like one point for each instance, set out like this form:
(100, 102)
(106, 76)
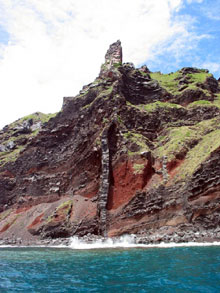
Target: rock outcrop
(134, 152)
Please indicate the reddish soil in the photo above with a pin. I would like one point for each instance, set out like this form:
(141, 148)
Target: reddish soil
(22, 209)
(90, 190)
(173, 167)
(7, 173)
(127, 183)
(36, 221)
(8, 225)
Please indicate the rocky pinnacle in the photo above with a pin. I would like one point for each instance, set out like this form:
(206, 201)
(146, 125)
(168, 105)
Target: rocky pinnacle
(113, 58)
(114, 53)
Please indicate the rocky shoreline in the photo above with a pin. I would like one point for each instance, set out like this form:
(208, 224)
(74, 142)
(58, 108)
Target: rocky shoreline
(209, 236)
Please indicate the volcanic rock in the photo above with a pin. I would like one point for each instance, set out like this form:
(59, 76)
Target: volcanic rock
(134, 152)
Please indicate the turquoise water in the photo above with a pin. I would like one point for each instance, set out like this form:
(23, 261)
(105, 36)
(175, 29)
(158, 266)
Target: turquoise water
(186, 269)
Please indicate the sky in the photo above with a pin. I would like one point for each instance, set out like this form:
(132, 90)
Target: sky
(51, 48)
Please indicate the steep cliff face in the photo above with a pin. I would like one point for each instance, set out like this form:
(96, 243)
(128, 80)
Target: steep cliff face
(134, 152)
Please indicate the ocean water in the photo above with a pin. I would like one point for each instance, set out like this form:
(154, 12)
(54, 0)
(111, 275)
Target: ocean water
(173, 269)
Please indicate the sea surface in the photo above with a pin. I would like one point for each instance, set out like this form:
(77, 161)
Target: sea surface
(173, 269)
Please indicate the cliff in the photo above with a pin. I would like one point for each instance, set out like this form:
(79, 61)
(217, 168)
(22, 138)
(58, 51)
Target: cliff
(134, 152)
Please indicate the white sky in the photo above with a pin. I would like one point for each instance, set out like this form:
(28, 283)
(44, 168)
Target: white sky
(57, 46)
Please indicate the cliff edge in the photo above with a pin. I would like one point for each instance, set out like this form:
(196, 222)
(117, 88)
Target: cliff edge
(134, 152)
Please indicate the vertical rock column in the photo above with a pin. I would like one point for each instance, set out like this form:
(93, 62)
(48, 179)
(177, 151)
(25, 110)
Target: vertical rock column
(112, 57)
(104, 184)
(164, 170)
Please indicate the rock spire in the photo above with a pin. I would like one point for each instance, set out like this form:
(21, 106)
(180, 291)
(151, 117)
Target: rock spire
(114, 53)
(113, 59)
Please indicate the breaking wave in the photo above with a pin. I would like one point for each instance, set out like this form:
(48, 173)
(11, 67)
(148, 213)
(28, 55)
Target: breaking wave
(128, 241)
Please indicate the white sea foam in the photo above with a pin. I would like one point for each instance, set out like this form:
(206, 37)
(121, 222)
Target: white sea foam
(123, 241)
(128, 241)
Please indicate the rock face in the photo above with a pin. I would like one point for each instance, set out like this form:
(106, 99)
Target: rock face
(113, 60)
(134, 152)
(114, 54)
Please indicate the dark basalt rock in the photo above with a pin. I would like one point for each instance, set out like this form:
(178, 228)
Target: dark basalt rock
(211, 84)
(186, 70)
(139, 88)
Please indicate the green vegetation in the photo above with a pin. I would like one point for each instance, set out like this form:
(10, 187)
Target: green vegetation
(165, 105)
(4, 214)
(98, 141)
(200, 153)
(139, 139)
(143, 73)
(9, 223)
(200, 103)
(197, 142)
(198, 77)
(37, 117)
(168, 81)
(105, 120)
(138, 168)
(175, 140)
(63, 209)
(12, 135)
(119, 119)
(106, 92)
(155, 106)
(116, 65)
(171, 81)
(217, 101)
(102, 94)
(10, 156)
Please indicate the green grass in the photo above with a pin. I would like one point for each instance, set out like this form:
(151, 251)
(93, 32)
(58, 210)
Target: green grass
(139, 139)
(143, 73)
(116, 65)
(103, 94)
(38, 116)
(65, 207)
(168, 81)
(199, 154)
(200, 103)
(198, 77)
(197, 142)
(138, 168)
(4, 214)
(217, 101)
(11, 156)
(119, 119)
(171, 84)
(174, 140)
(11, 135)
(157, 105)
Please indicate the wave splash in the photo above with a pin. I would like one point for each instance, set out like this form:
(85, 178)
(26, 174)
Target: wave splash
(128, 241)
(125, 241)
